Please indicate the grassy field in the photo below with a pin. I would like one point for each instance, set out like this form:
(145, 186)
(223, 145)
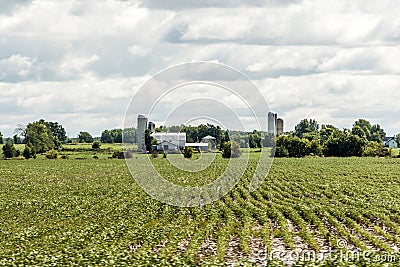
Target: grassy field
(91, 212)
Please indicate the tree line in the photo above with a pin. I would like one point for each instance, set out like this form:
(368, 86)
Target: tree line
(308, 138)
(43, 136)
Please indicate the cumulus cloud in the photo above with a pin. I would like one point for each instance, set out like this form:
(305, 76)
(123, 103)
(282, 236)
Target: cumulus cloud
(16, 67)
(79, 61)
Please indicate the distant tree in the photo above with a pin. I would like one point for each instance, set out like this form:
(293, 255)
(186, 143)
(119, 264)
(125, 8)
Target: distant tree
(116, 135)
(192, 133)
(358, 131)
(106, 137)
(363, 123)
(20, 131)
(231, 150)
(147, 140)
(294, 146)
(398, 140)
(326, 131)
(28, 153)
(311, 136)
(57, 130)
(306, 126)
(255, 140)
(1, 138)
(372, 132)
(85, 137)
(268, 140)
(96, 145)
(188, 152)
(17, 139)
(344, 144)
(377, 133)
(225, 138)
(9, 150)
(52, 154)
(39, 137)
(129, 135)
(375, 149)
(280, 152)
(175, 129)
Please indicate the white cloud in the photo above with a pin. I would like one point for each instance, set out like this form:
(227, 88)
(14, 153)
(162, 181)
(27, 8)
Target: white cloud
(79, 61)
(138, 50)
(16, 67)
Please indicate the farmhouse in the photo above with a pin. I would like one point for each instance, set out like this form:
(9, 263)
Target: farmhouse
(170, 141)
(389, 142)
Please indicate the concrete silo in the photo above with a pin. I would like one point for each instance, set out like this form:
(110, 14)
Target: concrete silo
(279, 126)
(141, 128)
(272, 121)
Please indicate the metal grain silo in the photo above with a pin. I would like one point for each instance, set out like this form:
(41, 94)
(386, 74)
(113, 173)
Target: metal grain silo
(279, 126)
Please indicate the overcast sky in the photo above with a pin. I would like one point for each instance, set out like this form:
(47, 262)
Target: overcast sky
(80, 62)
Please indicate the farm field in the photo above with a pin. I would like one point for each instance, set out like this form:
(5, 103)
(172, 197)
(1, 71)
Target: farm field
(91, 212)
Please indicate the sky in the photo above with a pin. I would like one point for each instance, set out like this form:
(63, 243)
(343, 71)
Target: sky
(81, 62)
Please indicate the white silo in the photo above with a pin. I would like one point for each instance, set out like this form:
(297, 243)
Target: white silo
(141, 128)
(272, 120)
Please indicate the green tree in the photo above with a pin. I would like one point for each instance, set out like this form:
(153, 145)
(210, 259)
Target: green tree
(9, 150)
(268, 140)
(1, 138)
(231, 150)
(96, 145)
(358, 131)
(188, 152)
(377, 133)
(29, 153)
(85, 137)
(129, 135)
(326, 131)
(147, 140)
(106, 137)
(306, 126)
(57, 130)
(52, 154)
(363, 123)
(375, 149)
(39, 137)
(255, 140)
(116, 135)
(17, 139)
(20, 132)
(372, 132)
(398, 140)
(311, 136)
(344, 144)
(296, 147)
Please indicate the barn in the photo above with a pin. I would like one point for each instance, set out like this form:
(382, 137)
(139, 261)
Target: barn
(172, 141)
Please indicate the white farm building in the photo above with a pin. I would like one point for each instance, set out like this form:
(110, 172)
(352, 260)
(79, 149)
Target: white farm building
(170, 141)
(389, 142)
